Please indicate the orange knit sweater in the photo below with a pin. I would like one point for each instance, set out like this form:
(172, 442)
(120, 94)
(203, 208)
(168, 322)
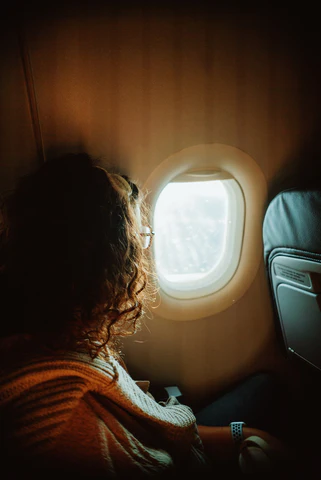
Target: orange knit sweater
(73, 414)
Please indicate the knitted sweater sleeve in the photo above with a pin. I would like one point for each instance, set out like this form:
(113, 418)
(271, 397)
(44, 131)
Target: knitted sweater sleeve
(127, 434)
(86, 420)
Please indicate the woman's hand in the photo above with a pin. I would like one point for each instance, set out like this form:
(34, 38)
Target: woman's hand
(220, 447)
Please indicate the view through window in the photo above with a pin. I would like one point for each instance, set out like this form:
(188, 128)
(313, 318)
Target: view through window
(190, 222)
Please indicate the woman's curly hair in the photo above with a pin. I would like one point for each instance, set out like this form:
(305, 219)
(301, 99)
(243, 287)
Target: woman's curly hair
(72, 258)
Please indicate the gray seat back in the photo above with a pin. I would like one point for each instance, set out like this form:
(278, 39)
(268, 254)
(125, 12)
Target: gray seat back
(292, 255)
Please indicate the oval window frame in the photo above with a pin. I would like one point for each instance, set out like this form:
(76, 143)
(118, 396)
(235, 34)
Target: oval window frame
(243, 168)
(219, 277)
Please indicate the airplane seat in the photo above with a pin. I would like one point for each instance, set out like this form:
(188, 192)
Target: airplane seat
(292, 256)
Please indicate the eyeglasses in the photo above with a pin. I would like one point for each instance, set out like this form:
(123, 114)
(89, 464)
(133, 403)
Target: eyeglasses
(147, 235)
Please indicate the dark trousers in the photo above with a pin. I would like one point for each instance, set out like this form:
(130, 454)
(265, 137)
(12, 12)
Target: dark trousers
(259, 401)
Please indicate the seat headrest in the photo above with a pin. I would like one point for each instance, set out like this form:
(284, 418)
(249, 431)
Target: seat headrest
(292, 224)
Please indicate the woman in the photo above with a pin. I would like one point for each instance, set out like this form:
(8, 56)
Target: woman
(75, 278)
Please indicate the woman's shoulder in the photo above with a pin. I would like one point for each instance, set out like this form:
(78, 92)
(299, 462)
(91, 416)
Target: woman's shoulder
(25, 369)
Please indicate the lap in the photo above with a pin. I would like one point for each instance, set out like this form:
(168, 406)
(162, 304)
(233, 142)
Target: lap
(257, 401)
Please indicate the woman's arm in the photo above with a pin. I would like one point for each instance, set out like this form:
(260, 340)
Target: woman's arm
(219, 445)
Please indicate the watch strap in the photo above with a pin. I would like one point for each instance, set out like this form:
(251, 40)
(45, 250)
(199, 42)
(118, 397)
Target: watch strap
(237, 432)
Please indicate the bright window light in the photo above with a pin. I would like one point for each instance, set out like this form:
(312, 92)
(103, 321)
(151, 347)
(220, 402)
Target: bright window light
(195, 224)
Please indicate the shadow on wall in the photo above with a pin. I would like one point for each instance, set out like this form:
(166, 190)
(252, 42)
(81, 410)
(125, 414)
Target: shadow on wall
(113, 163)
(53, 151)
(24, 165)
(9, 177)
(303, 169)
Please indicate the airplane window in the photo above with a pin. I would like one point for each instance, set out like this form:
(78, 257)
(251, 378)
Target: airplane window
(207, 203)
(196, 224)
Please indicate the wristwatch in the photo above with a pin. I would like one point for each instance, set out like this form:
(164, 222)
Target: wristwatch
(237, 432)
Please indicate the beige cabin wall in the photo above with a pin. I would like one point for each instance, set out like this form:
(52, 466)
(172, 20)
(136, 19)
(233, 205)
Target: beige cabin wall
(134, 86)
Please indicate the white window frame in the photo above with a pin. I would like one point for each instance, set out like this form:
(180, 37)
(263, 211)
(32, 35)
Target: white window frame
(235, 163)
(223, 272)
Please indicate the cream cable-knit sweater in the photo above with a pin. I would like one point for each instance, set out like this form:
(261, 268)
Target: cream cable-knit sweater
(71, 413)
